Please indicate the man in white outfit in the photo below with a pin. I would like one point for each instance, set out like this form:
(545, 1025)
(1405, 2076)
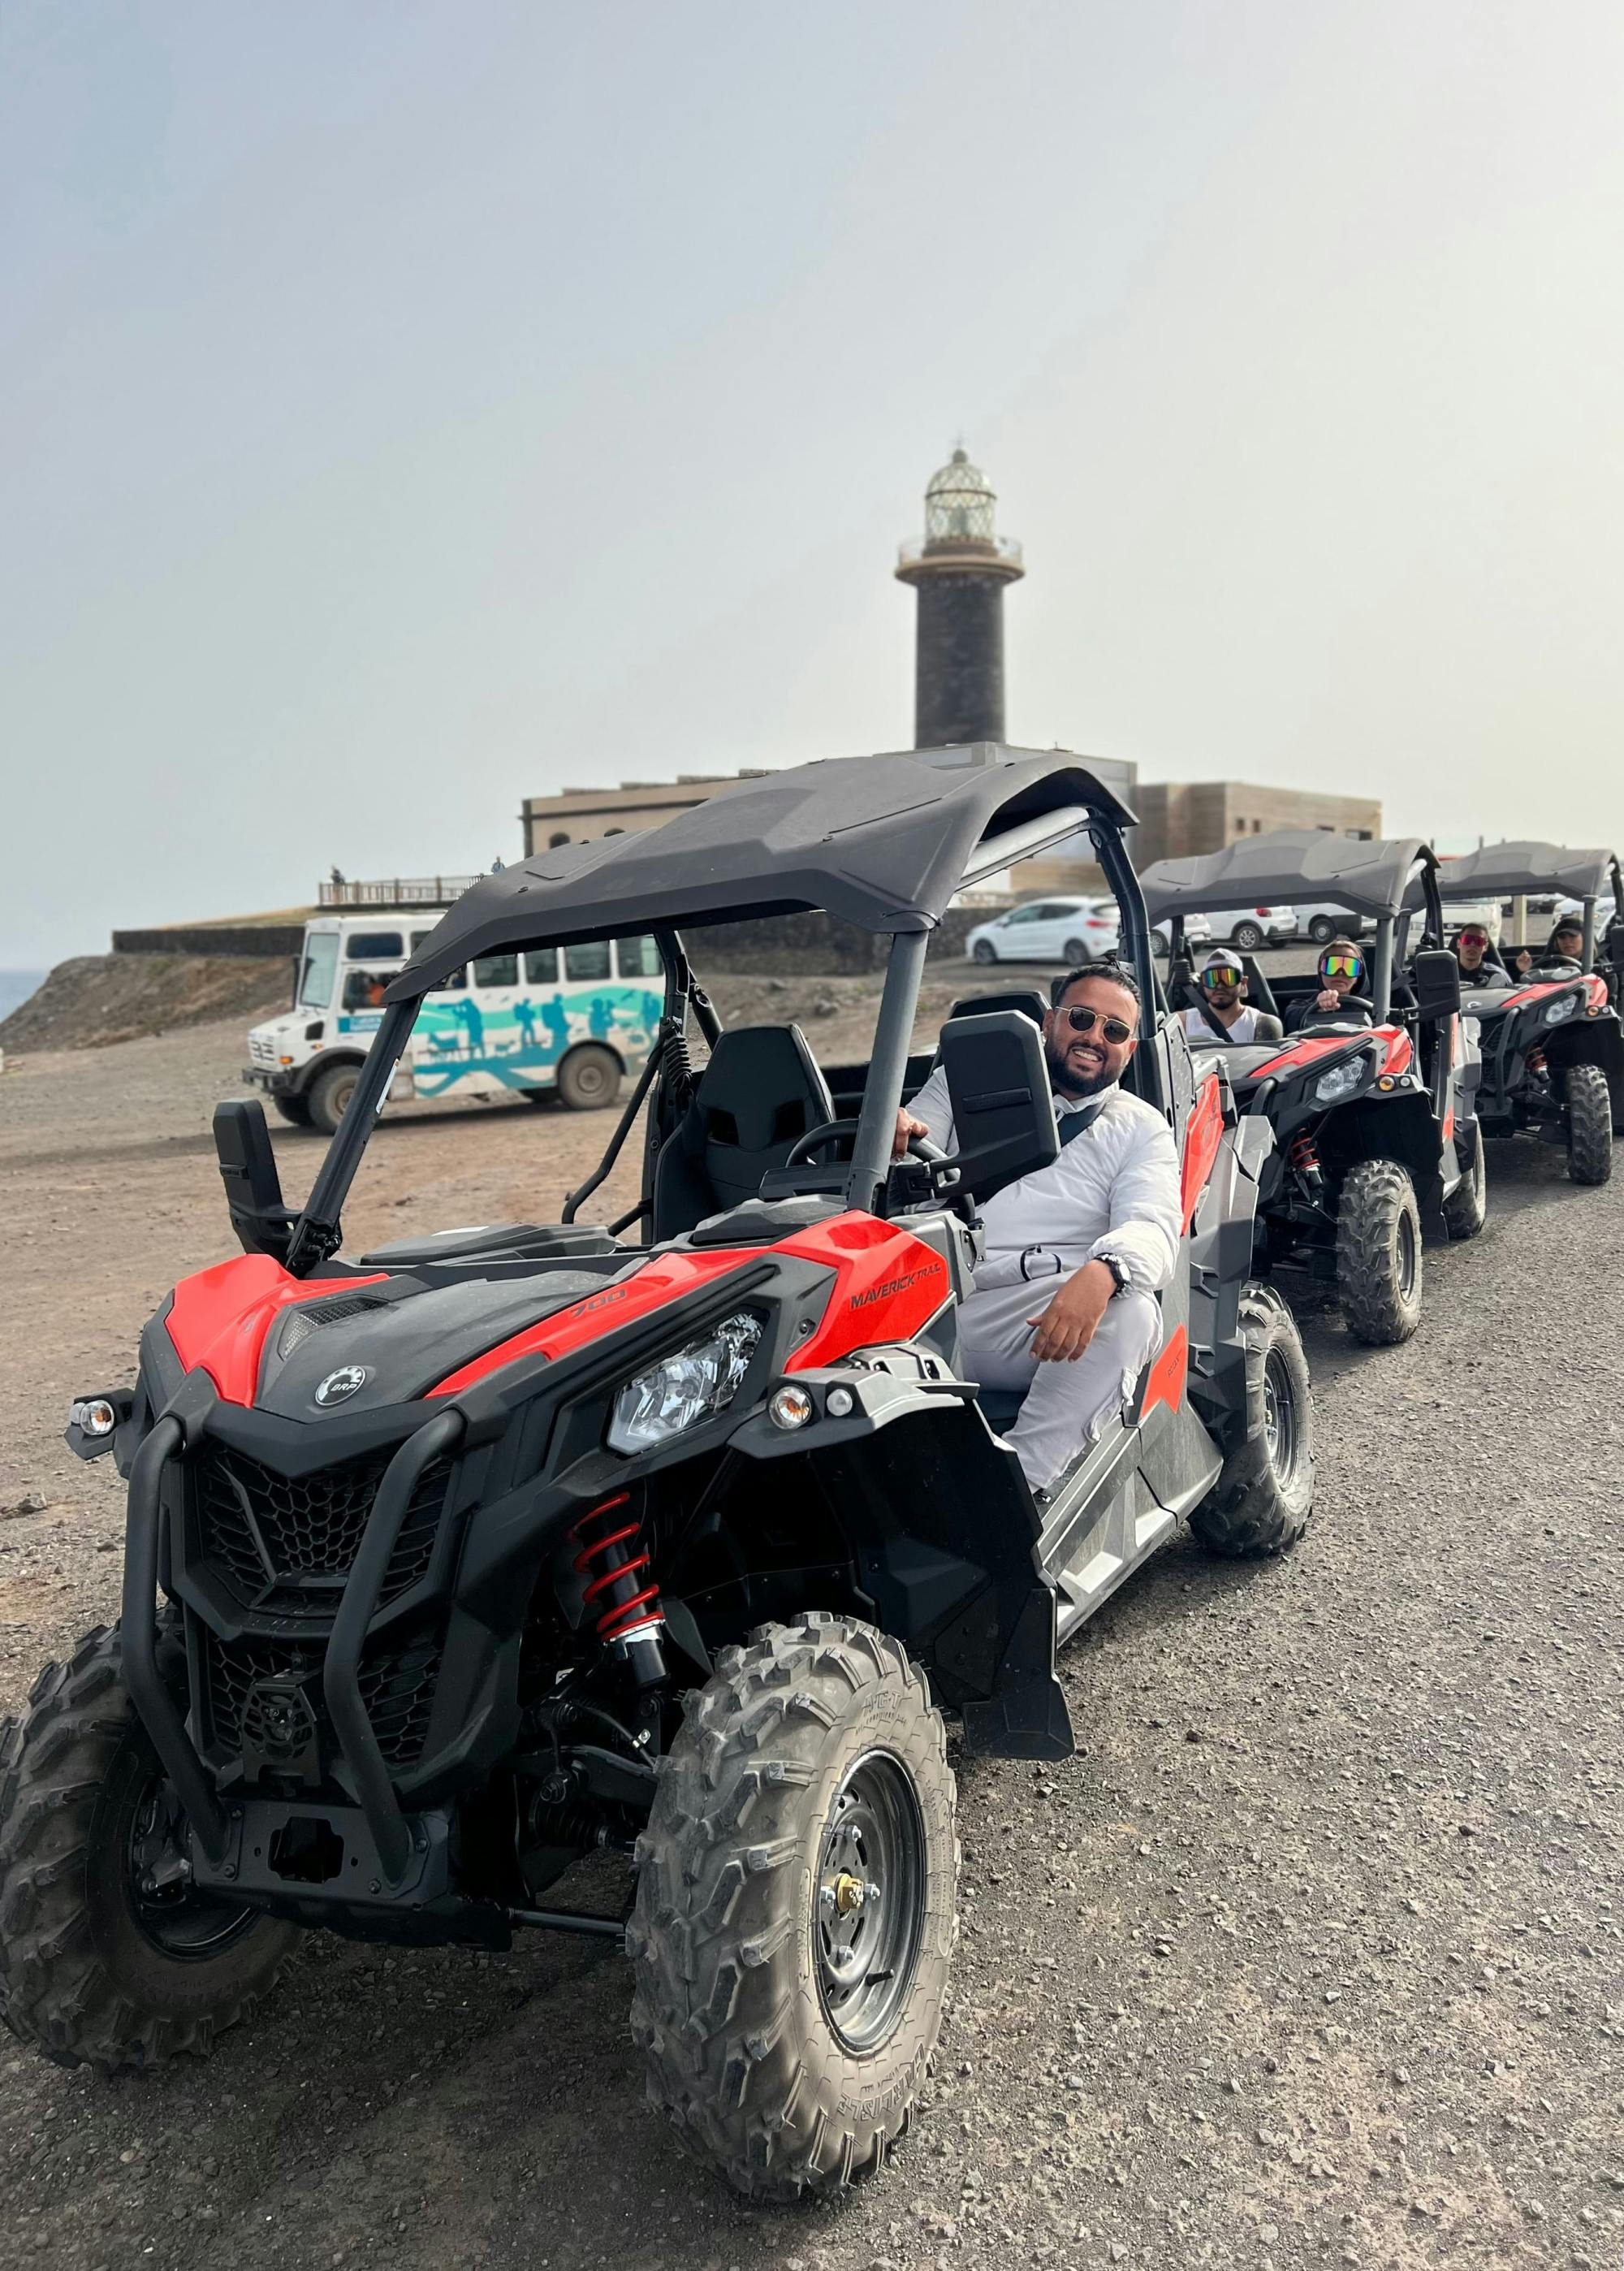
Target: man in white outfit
(1064, 1304)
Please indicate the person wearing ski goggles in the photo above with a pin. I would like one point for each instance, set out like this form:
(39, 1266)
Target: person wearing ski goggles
(1565, 945)
(1063, 1306)
(1341, 997)
(1225, 1014)
(1478, 967)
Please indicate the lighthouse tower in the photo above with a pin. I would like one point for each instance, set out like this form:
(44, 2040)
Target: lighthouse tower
(958, 572)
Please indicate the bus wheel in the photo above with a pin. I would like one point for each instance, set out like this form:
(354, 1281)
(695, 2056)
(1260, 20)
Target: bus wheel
(328, 1098)
(294, 1109)
(590, 1077)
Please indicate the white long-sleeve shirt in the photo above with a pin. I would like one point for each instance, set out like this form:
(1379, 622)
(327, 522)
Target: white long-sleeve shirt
(1113, 1190)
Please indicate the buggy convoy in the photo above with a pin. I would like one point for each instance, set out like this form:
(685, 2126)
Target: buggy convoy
(452, 1563)
(1552, 1054)
(1374, 1106)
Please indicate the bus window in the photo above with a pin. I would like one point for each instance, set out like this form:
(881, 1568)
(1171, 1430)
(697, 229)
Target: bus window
(497, 970)
(374, 946)
(585, 964)
(541, 966)
(315, 979)
(637, 957)
(364, 989)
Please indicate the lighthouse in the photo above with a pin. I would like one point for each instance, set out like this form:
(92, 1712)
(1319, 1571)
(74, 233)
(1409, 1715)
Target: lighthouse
(959, 571)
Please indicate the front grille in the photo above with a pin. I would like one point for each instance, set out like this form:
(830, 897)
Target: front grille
(396, 1686)
(286, 1543)
(263, 1051)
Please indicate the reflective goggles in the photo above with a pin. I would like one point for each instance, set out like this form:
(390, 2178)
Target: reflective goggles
(1083, 1020)
(1474, 938)
(1222, 973)
(1342, 965)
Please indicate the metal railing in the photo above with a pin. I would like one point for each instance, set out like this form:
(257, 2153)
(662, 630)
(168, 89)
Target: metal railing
(395, 891)
(913, 550)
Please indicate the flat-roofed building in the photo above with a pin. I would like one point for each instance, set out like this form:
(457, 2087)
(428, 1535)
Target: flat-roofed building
(581, 815)
(1180, 819)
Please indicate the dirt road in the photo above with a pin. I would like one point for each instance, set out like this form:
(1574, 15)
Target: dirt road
(1311, 1956)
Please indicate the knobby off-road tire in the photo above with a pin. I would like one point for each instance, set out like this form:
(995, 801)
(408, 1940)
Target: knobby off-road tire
(737, 2007)
(328, 1097)
(294, 1109)
(1590, 1124)
(1379, 1253)
(1466, 1207)
(85, 1973)
(1264, 1492)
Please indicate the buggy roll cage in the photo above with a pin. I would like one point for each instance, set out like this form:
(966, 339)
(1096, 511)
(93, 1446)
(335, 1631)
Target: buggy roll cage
(1514, 870)
(1299, 867)
(884, 842)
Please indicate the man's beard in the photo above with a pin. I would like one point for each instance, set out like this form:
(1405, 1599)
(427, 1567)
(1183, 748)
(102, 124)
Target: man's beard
(1066, 1082)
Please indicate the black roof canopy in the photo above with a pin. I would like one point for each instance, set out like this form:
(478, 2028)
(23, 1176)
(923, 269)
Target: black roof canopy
(1505, 871)
(883, 842)
(1290, 866)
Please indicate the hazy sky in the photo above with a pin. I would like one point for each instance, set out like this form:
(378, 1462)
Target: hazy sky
(404, 409)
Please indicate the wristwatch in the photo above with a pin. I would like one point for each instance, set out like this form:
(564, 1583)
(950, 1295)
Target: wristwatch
(1118, 1271)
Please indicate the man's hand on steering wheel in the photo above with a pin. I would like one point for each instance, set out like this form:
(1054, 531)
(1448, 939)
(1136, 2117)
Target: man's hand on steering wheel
(907, 1129)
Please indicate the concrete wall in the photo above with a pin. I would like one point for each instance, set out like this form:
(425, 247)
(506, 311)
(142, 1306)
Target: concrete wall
(255, 938)
(1180, 820)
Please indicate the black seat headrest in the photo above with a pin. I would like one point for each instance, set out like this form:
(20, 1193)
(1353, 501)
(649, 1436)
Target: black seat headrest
(758, 1095)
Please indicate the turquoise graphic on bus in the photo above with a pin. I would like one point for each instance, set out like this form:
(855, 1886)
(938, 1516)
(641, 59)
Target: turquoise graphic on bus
(518, 1045)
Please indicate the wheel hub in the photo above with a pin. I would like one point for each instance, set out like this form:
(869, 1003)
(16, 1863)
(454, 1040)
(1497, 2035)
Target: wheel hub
(869, 1901)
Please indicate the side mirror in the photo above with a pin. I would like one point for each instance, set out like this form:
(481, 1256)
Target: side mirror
(249, 1170)
(1437, 985)
(1003, 1113)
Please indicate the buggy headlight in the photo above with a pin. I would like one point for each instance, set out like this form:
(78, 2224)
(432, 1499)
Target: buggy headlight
(695, 1382)
(1564, 1006)
(1337, 1085)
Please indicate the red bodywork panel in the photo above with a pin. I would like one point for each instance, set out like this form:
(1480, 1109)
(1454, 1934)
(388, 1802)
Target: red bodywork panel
(1537, 992)
(888, 1284)
(219, 1319)
(1203, 1134)
(1166, 1384)
(1395, 1041)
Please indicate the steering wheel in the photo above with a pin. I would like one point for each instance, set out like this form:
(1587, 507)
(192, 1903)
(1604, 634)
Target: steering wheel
(1358, 1003)
(846, 1130)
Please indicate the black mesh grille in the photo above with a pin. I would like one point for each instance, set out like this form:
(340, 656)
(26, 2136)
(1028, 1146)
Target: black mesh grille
(288, 1543)
(397, 1684)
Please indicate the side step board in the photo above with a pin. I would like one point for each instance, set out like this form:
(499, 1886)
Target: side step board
(1106, 1518)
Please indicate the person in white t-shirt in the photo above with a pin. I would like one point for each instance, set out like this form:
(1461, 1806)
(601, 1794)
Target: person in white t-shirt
(1064, 1305)
(1226, 1016)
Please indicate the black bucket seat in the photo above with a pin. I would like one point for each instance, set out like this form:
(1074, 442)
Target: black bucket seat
(760, 1092)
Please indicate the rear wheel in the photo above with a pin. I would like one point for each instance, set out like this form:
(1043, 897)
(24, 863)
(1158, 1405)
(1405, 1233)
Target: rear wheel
(1159, 946)
(1264, 1492)
(109, 1955)
(1590, 1124)
(294, 1109)
(795, 1915)
(328, 1097)
(984, 952)
(1466, 1206)
(1322, 930)
(590, 1077)
(1247, 937)
(1076, 952)
(1379, 1253)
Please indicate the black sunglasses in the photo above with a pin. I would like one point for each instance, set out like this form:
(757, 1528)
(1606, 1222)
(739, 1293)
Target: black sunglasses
(1084, 1020)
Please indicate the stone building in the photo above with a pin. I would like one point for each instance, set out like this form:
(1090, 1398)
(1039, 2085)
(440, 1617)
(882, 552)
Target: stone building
(958, 572)
(581, 815)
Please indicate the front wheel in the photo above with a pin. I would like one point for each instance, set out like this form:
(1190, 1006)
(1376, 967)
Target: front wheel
(984, 952)
(1379, 1253)
(1247, 937)
(795, 1915)
(1466, 1207)
(1590, 1124)
(329, 1096)
(1159, 946)
(590, 1077)
(109, 1957)
(1322, 930)
(294, 1109)
(1264, 1492)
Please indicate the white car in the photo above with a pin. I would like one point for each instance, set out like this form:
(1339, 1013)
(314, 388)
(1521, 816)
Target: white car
(1250, 927)
(1325, 922)
(1070, 931)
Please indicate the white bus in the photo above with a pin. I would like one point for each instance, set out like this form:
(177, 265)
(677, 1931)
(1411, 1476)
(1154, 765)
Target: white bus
(564, 1020)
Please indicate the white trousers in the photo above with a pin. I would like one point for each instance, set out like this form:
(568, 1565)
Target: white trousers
(1067, 1404)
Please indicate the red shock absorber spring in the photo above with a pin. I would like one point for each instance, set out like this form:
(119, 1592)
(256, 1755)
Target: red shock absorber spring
(611, 1558)
(1304, 1154)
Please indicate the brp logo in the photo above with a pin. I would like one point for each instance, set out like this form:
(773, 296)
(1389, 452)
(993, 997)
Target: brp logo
(340, 1384)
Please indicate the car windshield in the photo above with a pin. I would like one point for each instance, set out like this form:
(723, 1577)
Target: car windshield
(316, 979)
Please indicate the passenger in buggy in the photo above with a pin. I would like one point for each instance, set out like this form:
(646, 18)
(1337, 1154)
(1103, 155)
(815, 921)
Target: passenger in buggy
(1224, 1013)
(1064, 1305)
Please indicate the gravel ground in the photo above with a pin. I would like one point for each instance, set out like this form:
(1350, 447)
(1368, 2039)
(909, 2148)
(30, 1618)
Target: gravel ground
(1312, 1955)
